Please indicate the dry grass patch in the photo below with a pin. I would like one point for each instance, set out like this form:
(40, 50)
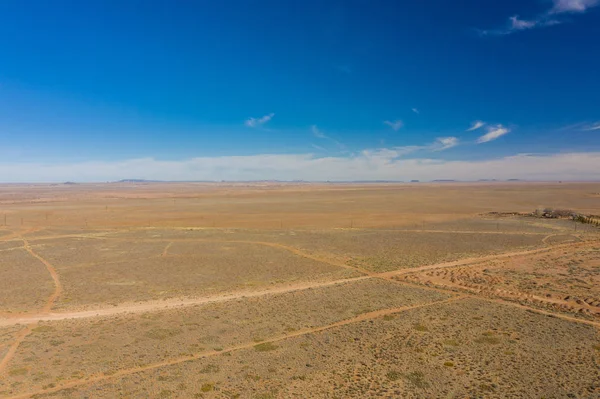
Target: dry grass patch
(381, 358)
(24, 282)
(202, 269)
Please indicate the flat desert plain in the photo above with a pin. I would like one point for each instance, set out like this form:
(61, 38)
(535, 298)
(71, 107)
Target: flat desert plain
(296, 290)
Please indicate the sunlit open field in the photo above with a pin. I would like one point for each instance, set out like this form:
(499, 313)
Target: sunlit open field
(298, 290)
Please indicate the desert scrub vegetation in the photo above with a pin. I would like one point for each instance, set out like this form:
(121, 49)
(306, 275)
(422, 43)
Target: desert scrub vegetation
(18, 371)
(393, 375)
(207, 387)
(162, 333)
(417, 379)
(265, 347)
(488, 338)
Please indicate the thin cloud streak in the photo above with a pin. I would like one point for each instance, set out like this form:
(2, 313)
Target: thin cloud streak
(572, 6)
(320, 135)
(550, 17)
(256, 122)
(594, 126)
(415, 110)
(444, 143)
(493, 132)
(476, 125)
(395, 125)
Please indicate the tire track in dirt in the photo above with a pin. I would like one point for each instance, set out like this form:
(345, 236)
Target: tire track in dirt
(58, 289)
(165, 252)
(469, 261)
(178, 302)
(46, 308)
(12, 350)
(174, 303)
(171, 362)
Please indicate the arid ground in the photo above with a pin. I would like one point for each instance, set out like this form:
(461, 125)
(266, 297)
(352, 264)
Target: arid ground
(275, 290)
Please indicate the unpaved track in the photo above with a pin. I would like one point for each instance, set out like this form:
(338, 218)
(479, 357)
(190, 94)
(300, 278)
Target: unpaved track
(121, 373)
(152, 306)
(12, 350)
(58, 289)
(31, 320)
(178, 302)
(45, 309)
(468, 261)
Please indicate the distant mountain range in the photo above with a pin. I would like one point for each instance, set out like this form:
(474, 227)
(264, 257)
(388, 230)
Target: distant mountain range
(299, 181)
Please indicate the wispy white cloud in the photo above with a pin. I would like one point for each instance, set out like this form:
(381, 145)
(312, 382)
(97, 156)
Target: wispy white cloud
(519, 24)
(383, 164)
(444, 143)
(318, 147)
(476, 125)
(396, 125)
(593, 126)
(493, 132)
(256, 122)
(320, 135)
(572, 6)
(317, 133)
(415, 110)
(550, 17)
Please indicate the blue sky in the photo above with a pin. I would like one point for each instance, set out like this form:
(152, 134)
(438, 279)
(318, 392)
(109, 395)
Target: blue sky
(353, 89)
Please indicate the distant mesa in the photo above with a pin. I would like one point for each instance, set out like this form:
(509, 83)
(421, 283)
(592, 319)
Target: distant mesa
(137, 181)
(70, 183)
(415, 181)
(487, 180)
(443, 181)
(513, 180)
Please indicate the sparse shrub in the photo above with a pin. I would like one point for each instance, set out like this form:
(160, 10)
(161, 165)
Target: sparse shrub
(451, 342)
(388, 317)
(393, 375)
(449, 364)
(265, 347)
(488, 339)
(207, 387)
(252, 377)
(416, 378)
(42, 329)
(161, 333)
(19, 371)
(165, 393)
(486, 387)
(210, 368)
(420, 327)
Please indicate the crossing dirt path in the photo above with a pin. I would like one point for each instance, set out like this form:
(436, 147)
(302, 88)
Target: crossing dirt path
(46, 314)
